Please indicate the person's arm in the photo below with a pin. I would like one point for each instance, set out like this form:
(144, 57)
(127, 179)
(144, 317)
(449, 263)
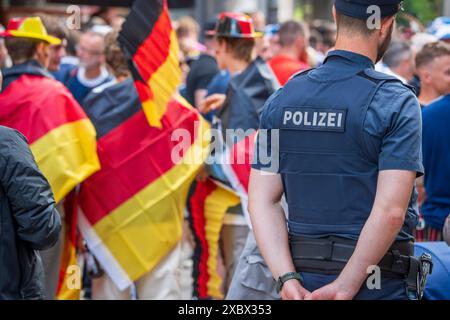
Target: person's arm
(269, 226)
(211, 103)
(385, 221)
(399, 163)
(29, 194)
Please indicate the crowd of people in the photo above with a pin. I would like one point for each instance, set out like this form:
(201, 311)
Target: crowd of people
(219, 69)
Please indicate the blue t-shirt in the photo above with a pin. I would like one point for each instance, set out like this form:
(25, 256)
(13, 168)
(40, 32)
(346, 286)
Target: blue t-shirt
(436, 158)
(63, 74)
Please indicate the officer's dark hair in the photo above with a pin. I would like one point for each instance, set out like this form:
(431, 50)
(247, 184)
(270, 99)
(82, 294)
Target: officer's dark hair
(352, 26)
(241, 49)
(289, 32)
(430, 52)
(21, 49)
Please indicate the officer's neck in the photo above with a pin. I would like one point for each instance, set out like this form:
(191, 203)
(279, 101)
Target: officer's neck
(359, 45)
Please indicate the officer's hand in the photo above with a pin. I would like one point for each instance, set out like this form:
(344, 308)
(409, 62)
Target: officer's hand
(333, 291)
(213, 102)
(292, 290)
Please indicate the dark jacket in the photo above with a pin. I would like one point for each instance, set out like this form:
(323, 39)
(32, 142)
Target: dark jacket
(246, 96)
(28, 219)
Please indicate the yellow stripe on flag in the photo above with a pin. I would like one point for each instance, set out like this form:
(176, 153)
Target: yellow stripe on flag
(70, 256)
(67, 156)
(216, 205)
(142, 231)
(163, 84)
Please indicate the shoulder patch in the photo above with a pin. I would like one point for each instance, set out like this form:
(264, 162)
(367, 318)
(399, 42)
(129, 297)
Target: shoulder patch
(301, 73)
(378, 77)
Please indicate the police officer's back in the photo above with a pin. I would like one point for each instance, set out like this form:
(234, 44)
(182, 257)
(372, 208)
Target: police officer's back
(349, 150)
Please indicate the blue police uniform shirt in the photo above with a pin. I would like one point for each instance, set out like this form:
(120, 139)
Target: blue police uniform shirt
(339, 125)
(436, 158)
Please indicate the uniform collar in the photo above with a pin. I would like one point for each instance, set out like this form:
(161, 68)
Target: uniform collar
(353, 57)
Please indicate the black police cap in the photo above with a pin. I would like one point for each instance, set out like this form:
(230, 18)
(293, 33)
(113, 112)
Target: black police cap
(359, 8)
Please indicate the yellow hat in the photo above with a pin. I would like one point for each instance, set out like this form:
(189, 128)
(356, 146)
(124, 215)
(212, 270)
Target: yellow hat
(31, 28)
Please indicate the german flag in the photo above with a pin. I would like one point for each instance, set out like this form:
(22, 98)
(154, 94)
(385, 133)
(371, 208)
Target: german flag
(60, 135)
(208, 203)
(151, 44)
(132, 210)
(69, 283)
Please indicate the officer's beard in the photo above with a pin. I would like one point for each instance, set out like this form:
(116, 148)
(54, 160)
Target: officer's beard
(385, 44)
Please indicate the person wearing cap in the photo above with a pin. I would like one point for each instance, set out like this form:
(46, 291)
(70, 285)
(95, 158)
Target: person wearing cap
(252, 82)
(203, 69)
(56, 29)
(349, 151)
(26, 82)
(30, 220)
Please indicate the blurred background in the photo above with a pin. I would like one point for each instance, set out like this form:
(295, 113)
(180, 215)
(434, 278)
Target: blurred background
(202, 10)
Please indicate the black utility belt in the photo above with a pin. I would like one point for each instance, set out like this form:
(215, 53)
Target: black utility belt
(330, 255)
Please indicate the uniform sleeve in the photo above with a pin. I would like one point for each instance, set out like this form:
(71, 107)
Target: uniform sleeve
(29, 194)
(266, 155)
(401, 145)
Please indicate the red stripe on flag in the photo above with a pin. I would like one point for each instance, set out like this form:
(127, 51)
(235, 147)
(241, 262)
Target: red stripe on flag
(243, 150)
(155, 49)
(197, 201)
(132, 156)
(35, 105)
(144, 91)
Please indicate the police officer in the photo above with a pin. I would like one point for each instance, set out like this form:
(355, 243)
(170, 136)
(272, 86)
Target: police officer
(349, 151)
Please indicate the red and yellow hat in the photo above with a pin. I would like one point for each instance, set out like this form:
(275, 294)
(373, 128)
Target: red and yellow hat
(31, 28)
(235, 25)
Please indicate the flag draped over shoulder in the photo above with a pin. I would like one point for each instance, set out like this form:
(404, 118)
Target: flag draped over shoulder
(208, 203)
(60, 135)
(133, 209)
(151, 43)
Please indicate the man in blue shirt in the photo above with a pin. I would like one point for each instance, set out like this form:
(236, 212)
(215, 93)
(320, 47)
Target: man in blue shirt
(349, 150)
(436, 159)
(92, 72)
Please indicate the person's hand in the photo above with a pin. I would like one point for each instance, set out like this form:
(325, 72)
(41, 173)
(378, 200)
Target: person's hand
(293, 290)
(336, 290)
(213, 102)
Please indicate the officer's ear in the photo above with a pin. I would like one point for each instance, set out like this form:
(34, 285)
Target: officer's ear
(387, 26)
(334, 14)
